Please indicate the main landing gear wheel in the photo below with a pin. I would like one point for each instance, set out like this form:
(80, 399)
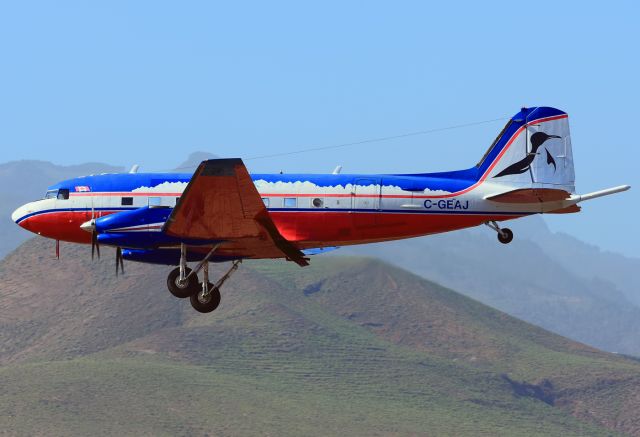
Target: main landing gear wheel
(182, 289)
(505, 236)
(205, 303)
(204, 296)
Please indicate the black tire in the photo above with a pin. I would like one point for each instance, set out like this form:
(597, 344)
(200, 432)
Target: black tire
(185, 290)
(210, 304)
(506, 236)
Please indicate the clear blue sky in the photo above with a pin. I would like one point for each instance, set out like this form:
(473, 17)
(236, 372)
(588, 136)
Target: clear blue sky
(150, 82)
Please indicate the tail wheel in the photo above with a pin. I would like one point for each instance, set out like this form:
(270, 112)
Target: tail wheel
(208, 303)
(185, 288)
(505, 236)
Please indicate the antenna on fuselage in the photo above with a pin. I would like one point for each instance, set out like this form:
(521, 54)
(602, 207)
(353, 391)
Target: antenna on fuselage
(337, 170)
(134, 169)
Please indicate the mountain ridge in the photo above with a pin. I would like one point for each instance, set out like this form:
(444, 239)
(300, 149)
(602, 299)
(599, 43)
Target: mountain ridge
(529, 278)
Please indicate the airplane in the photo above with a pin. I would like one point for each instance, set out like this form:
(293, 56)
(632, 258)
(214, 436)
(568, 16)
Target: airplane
(222, 213)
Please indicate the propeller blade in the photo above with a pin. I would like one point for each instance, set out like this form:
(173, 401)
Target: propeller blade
(95, 246)
(90, 226)
(119, 261)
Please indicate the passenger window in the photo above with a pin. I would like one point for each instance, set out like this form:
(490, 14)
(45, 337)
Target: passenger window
(266, 201)
(63, 194)
(155, 202)
(127, 201)
(290, 202)
(317, 202)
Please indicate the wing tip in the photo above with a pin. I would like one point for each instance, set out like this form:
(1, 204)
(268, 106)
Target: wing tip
(220, 167)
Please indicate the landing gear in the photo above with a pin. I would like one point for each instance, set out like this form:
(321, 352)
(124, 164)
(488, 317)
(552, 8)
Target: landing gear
(182, 288)
(183, 282)
(206, 302)
(505, 235)
(208, 298)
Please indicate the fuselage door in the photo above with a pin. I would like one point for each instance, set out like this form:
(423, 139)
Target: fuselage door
(366, 201)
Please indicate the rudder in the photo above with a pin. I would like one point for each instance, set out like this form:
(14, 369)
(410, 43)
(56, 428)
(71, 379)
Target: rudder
(534, 150)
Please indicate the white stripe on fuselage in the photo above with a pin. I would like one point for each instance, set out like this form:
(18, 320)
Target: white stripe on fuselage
(385, 198)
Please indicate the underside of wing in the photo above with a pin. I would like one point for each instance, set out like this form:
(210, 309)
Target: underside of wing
(222, 203)
(530, 195)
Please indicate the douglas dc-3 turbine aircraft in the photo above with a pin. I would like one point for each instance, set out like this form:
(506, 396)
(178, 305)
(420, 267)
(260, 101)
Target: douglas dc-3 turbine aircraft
(222, 213)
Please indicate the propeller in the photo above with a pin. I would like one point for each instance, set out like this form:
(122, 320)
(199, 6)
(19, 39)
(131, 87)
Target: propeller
(119, 261)
(95, 246)
(90, 226)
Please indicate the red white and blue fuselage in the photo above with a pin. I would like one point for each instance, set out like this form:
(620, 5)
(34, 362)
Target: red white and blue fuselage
(319, 211)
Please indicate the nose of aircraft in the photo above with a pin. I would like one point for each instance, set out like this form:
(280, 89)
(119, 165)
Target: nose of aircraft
(43, 218)
(19, 214)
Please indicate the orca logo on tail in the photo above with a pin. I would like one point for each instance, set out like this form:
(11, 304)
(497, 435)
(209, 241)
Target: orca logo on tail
(550, 160)
(537, 139)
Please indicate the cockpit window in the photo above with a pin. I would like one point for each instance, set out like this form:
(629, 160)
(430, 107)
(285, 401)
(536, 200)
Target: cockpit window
(63, 194)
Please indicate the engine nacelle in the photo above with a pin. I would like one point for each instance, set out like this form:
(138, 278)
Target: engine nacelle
(139, 228)
(169, 256)
(141, 219)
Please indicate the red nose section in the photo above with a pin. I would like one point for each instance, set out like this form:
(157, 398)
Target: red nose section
(63, 225)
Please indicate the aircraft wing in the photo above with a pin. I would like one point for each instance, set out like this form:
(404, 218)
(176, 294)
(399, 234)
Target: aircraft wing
(222, 203)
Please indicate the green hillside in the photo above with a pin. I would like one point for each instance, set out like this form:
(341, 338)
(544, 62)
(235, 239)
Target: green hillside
(348, 346)
(146, 397)
(547, 279)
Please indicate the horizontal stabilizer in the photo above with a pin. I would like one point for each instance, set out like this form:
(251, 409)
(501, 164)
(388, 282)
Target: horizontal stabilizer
(530, 195)
(566, 210)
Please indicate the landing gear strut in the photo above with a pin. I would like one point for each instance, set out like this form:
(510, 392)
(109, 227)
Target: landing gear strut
(208, 298)
(505, 235)
(180, 281)
(183, 282)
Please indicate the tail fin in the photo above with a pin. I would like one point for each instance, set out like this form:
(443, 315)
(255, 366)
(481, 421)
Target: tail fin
(533, 150)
